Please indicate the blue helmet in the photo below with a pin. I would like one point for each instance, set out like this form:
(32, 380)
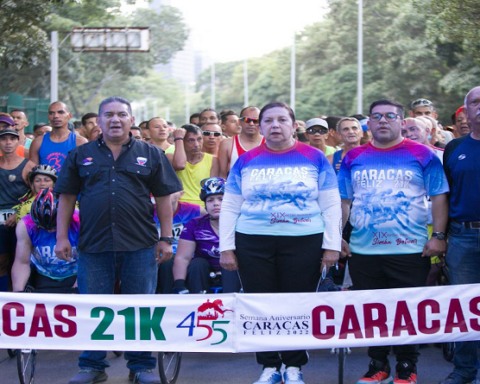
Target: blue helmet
(212, 186)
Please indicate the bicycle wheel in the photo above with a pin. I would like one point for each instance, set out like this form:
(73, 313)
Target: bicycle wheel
(169, 366)
(26, 365)
(342, 357)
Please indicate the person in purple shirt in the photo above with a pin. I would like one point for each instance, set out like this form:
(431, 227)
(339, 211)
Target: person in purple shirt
(198, 252)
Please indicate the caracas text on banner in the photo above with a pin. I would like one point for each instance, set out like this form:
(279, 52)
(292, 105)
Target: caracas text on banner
(240, 322)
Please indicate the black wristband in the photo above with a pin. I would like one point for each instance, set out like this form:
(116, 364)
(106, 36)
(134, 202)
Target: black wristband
(178, 138)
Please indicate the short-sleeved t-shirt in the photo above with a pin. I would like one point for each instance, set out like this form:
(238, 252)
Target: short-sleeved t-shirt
(280, 190)
(184, 213)
(201, 232)
(463, 173)
(388, 187)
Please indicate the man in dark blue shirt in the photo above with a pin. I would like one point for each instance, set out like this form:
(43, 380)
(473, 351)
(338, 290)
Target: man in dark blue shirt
(115, 176)
(462, 168)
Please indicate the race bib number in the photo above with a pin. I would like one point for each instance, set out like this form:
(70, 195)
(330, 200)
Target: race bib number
(177, 230)
(5, 214)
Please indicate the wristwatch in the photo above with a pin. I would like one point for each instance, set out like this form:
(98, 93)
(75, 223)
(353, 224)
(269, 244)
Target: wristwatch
(169, 240)
(439, 235)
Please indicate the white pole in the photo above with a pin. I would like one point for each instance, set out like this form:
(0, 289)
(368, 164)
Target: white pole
(167, 113)
(54, 68)
(360, 59)
(187, 104)
(213, 86)
(155, 107)
(245, 84)
(292, 75)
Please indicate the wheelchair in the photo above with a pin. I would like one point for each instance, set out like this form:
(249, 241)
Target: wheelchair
(169, 363)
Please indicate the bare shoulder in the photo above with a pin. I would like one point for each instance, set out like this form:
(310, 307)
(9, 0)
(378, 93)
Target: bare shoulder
(80, 140)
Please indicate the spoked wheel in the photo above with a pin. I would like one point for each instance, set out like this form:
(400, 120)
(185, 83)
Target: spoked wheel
(342, 358)
(169, 366)
(26, 365)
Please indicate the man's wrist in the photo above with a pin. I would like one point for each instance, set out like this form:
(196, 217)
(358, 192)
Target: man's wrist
(167, 239)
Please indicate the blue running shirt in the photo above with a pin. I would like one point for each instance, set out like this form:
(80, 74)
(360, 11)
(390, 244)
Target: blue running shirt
(280, 190)
(43, 249)
(388, 187)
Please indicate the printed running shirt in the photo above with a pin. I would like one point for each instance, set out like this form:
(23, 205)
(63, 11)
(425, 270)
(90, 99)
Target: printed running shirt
(200, 231)
(388, 187)
(184, 213)
(280, 190)
(43, 249)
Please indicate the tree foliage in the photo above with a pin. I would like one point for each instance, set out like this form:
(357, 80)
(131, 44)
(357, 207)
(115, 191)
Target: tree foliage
(407, 55)
(83, 77)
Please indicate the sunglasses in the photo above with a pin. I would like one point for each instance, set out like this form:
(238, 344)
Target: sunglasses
(248, 120)
(389, 116)
(422, 103)
(215, 134)
(313, 131)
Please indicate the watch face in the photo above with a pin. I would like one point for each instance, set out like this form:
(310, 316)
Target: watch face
(439, 235)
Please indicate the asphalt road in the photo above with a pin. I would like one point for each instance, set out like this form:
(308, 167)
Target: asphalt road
(57, 367)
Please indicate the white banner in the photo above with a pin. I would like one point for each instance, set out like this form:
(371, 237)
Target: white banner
(240, 322)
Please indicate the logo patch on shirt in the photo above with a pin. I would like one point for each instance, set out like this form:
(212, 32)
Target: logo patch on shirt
(141, 161)
(88, 161)
(462, 157)
(11, 178)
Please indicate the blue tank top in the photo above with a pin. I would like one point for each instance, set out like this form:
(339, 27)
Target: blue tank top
(54, 154)
(43, 249)
(337, 160)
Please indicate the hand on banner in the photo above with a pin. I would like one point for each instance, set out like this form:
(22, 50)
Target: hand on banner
(346, 252)
(435, 247)
(163, 252)
(63, 249)
(228, 260)
(329, 259)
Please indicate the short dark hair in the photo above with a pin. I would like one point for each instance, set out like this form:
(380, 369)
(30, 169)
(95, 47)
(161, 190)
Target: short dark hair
(247, 108)
(38, 126)
(143, 122)
(225, 113)
(192, 128)
(394, 103)
(87, 116)
(195, 115)
(276, 105)
(211, 110)
(114, 99)
(332, 121)
(67, 108)
(136, 128)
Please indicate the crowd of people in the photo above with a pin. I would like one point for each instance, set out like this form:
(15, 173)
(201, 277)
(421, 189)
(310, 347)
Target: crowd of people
(258, 201)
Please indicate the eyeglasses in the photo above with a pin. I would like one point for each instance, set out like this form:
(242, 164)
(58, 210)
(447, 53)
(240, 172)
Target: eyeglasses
(313, 131)
(389, 116)
(248, 120)
(215, 134)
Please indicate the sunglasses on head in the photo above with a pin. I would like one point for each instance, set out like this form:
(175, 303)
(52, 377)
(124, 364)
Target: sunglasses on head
(313, 131)
(248, 120)
(215, 134)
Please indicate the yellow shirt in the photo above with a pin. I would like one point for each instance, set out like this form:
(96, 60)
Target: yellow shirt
(191, 177)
